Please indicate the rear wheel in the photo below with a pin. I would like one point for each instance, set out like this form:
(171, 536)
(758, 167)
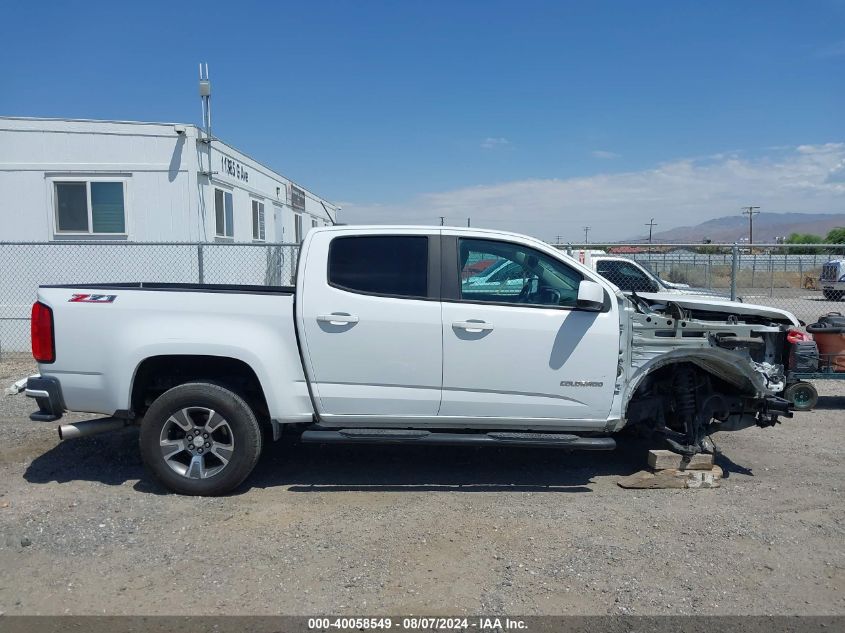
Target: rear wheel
(802, 395)
(200, 439)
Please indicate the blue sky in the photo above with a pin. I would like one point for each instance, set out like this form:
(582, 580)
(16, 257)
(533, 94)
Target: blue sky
(532, 116)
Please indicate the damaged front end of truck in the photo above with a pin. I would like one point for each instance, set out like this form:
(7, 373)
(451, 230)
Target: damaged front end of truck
(697, 366)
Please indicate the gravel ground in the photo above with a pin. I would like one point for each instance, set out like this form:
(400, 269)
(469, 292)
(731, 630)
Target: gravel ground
(398, 530)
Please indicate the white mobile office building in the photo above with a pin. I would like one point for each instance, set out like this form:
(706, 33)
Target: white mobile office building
(64, 179)
(121, 182)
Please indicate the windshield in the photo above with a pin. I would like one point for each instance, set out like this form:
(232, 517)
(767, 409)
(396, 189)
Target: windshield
(652, 274)
(628, 275)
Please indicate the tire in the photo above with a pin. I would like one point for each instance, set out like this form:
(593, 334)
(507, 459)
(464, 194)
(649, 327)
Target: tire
(833, 295)
(802, 395)
(200, 439)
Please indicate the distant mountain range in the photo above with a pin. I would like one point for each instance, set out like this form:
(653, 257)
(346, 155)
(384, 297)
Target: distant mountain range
(767, 227)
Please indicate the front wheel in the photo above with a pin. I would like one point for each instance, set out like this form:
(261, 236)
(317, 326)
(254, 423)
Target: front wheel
(200, 439)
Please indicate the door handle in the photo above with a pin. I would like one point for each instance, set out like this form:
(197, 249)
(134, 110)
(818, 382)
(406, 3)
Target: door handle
(473, 326)
(337, 318)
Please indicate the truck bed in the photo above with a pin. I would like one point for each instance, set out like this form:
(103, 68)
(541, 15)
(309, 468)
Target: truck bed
(104, 332)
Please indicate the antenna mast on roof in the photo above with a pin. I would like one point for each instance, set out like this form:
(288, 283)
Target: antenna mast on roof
(205, 95)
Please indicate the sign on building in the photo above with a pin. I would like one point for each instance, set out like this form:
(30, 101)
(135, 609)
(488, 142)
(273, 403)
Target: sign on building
(297, 198)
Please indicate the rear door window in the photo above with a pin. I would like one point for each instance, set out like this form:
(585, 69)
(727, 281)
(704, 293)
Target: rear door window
(390, 265)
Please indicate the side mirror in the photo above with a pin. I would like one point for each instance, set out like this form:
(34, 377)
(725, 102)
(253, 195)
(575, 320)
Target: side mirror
(590, 296)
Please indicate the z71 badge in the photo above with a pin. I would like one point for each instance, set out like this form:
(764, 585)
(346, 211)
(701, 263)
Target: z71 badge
(77, 298)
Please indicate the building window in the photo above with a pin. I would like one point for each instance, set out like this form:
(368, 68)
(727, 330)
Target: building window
(223, 213)
(297, 227)
(314, 222)
(94, 207)
(258, 221)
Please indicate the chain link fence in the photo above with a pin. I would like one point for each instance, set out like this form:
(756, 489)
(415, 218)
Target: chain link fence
(801, 278)
(26, 265)
(804, 279)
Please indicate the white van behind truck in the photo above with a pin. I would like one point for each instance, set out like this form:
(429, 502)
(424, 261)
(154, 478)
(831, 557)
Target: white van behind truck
(832, 281)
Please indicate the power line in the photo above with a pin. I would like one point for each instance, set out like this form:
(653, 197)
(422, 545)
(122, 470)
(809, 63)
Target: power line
(750, 212)
(586, 234)
(650, 226)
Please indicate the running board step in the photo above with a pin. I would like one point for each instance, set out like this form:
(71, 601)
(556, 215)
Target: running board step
(493, 438)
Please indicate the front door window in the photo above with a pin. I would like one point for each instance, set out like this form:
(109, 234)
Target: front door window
(518, 275)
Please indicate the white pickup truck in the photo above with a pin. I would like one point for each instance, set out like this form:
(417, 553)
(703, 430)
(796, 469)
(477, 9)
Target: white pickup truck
(383, 340)
(630, 275)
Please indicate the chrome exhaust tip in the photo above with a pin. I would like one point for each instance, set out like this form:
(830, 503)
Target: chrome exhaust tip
(89, 427)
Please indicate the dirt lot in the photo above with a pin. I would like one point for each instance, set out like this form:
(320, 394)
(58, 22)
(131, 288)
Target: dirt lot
(351, 530)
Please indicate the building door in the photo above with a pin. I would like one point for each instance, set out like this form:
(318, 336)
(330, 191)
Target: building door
(279, 223)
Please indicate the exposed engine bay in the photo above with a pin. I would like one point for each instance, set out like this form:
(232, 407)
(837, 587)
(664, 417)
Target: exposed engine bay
(698, 368)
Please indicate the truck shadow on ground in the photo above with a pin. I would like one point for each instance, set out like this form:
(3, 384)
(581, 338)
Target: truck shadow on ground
(113, 459)
(337, 468)
(110, 458)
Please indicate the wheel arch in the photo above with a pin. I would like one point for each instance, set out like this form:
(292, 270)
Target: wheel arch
(725, 366)
(156, 374)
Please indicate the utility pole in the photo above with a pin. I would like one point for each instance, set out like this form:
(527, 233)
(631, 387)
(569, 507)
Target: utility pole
(586, 234)
(650, 226)
(750, 212)
(468, 221)
(442, 220)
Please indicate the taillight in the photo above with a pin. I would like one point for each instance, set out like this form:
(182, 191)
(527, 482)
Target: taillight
(43, 342)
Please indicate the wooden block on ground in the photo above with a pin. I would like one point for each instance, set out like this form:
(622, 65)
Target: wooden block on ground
(661, 460)
(673, 478)
(648, 479)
